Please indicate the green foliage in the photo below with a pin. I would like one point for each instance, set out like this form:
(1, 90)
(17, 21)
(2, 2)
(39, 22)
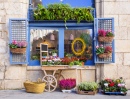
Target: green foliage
(12, 45)
(88, 86)
(87, 38)
(35, 57)
(100, 50)
(75, 63)
(64, 12)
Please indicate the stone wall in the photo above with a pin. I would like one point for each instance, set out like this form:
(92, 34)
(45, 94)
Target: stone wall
(11, 77)
(119, 9)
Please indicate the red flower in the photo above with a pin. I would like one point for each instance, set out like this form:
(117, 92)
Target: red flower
(111, 84)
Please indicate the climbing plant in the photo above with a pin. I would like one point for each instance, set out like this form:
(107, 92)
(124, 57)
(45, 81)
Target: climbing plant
(64, 12)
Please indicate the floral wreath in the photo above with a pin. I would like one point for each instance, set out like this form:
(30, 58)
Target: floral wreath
(78, 53)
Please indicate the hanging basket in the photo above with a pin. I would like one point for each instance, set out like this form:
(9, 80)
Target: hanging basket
(34, 87)
(105, 55)
(105, 39)
(18, 50)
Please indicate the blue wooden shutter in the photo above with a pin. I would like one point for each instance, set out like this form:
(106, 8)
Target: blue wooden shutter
(18, 31)
(106, 24)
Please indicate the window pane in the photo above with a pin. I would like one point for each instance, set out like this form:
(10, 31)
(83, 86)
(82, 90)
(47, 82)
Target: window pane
(45, 36)
(86, 36)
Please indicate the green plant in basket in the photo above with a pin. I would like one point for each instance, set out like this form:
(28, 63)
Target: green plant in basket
(88, 86)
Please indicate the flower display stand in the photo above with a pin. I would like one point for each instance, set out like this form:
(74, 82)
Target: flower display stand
(105, 39)
(114, 93)
(105, 55)
(18, 50)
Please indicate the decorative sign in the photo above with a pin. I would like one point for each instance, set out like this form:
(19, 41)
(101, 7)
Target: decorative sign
(78, 46)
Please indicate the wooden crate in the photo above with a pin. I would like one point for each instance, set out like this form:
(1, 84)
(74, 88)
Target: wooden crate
(86, 92)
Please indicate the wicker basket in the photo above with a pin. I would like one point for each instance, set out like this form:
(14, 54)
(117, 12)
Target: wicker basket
(18, 50)
(105, 55)
(105, 39)
(34, 87)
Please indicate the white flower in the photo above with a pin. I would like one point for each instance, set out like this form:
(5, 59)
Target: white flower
(106, 84)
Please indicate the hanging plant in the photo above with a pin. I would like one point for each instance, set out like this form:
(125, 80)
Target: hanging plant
(64, 12)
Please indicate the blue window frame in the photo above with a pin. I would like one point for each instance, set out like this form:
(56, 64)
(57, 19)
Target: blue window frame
(59, 25)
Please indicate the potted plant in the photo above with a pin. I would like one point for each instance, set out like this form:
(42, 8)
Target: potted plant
(111, 86)
(18, 47)
(82, 59)
(87, 88)
(105, 36)
(75, 64)
(67, 84)
(103, 52)
(54, 52)
(51, 61)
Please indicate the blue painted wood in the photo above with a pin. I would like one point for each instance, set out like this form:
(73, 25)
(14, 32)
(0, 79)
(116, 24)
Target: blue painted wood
(106, 24)
(61, 43)
(73, 3)
(60, 26)
(115, 93)
(14, 28)
(34, 63)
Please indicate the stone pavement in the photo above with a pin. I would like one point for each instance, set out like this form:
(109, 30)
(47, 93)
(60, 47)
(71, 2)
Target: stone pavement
(21, 94)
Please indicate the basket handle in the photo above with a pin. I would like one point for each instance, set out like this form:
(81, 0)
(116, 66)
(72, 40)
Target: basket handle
(39, 80)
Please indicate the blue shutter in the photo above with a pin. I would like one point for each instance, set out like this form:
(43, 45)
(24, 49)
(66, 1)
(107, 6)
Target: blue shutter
(106, 24)
(18, 31)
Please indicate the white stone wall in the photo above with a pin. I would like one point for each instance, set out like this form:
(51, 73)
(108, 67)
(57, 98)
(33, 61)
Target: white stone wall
(120, 10)
(11, 77)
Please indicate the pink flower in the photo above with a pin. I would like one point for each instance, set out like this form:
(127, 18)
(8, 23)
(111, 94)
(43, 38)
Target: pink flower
(102, 32)
(14, 42)
(97, 47)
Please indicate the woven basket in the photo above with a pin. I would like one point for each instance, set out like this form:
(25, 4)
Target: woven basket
(34, 87)
(18, 50)
(105, 55)
(105, 39)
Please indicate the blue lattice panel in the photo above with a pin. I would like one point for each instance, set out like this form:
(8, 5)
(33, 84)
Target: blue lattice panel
(105, 24)
(18, 32)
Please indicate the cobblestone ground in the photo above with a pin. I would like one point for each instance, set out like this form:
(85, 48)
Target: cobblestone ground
(21, 94)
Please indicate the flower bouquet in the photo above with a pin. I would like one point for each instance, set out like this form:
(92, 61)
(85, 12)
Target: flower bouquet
(105, 36)
(18, 47)
(103, 52)
(110, 86)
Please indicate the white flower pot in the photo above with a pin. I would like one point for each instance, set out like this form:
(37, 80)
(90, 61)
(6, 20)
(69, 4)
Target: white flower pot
(54, 54)
(66, 91)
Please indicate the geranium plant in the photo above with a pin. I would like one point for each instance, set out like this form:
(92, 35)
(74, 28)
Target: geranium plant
(67, 83)
(100, 49)
(110, 85)
(18, 44)
(104, 33)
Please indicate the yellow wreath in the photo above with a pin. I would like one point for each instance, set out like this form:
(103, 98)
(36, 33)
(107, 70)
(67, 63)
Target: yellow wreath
(80, 52)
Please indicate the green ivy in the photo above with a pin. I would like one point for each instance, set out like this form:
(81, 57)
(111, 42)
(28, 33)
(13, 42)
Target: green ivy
(64, 12)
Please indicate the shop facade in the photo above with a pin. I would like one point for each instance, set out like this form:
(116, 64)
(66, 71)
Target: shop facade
(13, 75)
